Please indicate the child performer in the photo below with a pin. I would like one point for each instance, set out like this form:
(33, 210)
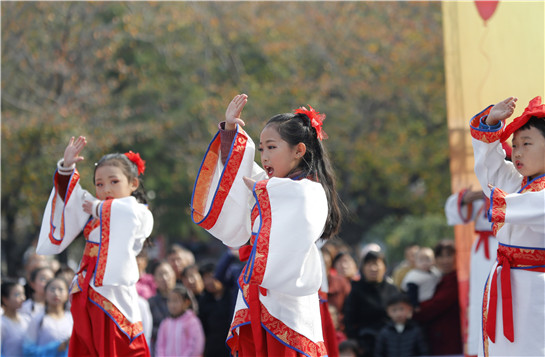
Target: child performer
(182, 333)
(514, 298)
(104, 301)
(284, 209)
(462, 208)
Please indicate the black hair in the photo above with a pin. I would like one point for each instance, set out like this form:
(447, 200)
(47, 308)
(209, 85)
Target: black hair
(207, 268)
(7, 286)
(57, 278)
(190, 268)
(295, 129)
(349, 345)
(535, 122)
(187, 295)
(444, 246)
(398, 298)
(339, 256)
(128, 168)
(371, 257)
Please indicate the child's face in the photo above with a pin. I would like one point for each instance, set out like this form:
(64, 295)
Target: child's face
(56, 293)
(164, 277)
(425, 260)
(278, 158)
(193, 281)
(176, 304)
(529, 152)
(111, 182)
(40, 281)
(346, 266)
(400, 312)
(15, 298)
(374, 271)
(211, 284)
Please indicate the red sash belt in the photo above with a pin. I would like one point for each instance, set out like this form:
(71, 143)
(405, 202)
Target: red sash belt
(510, 257)
(483, 239)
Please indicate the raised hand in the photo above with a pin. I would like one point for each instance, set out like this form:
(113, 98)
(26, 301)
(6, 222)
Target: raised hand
(249, 182)
(501, 111)
(232, 114)
(71, 153)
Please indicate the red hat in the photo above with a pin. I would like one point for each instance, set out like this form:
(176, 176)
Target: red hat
(534, 109)
(508, 150)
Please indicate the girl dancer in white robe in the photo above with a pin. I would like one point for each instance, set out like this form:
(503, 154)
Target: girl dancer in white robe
(283, 209)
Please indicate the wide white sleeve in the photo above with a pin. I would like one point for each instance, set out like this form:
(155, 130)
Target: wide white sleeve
(492, 168)
(129, 224)
(63, 218)
(221, 202)
(526, 208)
(298, 212)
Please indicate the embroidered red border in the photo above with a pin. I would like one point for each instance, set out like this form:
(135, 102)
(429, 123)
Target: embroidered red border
(204, 180)
(131, 329)
(105, 214)
(484, 136)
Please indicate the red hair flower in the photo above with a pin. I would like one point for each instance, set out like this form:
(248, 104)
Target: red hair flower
(534, 109)
(316, 120)
(137, 160)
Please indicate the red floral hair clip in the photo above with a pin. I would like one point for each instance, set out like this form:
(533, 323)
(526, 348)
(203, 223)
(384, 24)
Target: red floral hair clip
(137, 160)
(316, 120)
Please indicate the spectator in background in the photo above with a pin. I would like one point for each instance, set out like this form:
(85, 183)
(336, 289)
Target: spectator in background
(403, 268)
(192, 279)
(401, 337)
(227, 272)
(35, 303)
(165, 280)
(180, 258)
(440, 315)
(346, 266)
(420, 282)
(338, 286)
(365, 307)
(215, 311)
(348, 348)
(145, 286)
(181, 333)
(14, 323)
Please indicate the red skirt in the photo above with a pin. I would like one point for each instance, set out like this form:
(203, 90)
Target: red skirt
(96, 334)
(271, 346)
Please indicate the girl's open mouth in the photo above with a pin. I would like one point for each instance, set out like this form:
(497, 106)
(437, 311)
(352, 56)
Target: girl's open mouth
(269, 171)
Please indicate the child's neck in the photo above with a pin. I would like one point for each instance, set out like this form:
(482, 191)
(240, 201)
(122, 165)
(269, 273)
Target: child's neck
(179, 315)
(56, 311)
(12, 314)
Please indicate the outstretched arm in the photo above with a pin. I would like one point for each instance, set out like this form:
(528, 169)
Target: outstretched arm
(232, 114)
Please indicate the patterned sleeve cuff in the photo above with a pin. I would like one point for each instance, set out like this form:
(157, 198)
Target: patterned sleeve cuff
(66, 171)
(482, 131)
(496, 212)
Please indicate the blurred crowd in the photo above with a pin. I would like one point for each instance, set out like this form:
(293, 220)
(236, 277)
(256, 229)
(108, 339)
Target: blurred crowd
(410, 309)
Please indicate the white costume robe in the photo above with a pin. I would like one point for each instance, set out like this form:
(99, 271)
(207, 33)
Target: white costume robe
(517, 209)
(482, 256)
(278, 287)
(115, 239)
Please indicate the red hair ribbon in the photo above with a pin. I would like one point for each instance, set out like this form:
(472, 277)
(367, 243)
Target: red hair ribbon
(137, 160)
(316, 120)
(534, 109)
